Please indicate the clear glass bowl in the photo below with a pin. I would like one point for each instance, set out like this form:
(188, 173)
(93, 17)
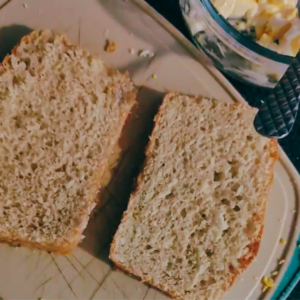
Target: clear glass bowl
(232, 52)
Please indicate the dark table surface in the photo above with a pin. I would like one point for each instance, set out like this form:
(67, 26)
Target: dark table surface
(291, 144)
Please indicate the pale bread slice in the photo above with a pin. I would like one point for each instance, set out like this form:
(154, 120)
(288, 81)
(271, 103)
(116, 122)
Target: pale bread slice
(62, 111)
(196, 218)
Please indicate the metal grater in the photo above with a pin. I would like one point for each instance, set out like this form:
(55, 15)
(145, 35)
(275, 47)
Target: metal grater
(277, 115)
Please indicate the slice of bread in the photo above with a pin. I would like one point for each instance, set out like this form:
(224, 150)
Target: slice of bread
(196, 218)
(62, 111)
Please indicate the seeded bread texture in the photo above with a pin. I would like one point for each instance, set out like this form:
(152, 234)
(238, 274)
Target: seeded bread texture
(196, 218)
(61, 114)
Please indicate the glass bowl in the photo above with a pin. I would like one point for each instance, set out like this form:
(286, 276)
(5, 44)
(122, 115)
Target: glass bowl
(232, 52)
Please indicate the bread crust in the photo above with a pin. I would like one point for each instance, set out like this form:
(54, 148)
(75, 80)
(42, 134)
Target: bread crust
(132, 274)
(245, 261)
(67, 246)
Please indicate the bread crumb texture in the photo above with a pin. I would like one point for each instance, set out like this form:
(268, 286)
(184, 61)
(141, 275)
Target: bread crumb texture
(61, 111)
(195, 221)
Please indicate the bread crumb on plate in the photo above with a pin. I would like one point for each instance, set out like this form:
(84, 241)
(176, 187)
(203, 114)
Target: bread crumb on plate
(281, 262)
(110, 46)
(264, 289)
(146, 53)
(282, 241)
(268, 282)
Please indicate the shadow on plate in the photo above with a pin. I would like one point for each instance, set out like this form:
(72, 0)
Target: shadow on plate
(113, 199)
(10, 36)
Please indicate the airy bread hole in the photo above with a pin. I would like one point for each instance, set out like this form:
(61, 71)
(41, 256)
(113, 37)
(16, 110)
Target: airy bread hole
(183, 213)
(18, 123)
(61, 169)
(211, 280)
(236, 208)
(34, 167)
(219, 176)
(214, 104)
(203, 283)
(148, 247)
(219, 140)
(169, 196)
(190, 262)
(224, 232)
(234, 171)
(225, 202)
(40, 221)
(33, 226)
(16, 80)
(32, 71)
(209, 252)
(220, 150)
(49, 143)
(235, 187)
(27, 62)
